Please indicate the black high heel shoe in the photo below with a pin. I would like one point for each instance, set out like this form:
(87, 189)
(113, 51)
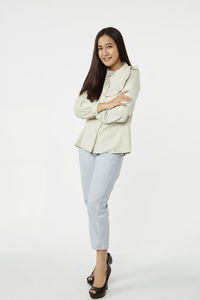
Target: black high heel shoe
(101, 291)
(109, 260)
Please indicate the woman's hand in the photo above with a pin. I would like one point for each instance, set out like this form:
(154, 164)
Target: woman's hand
(92, 118)
(117, 100)
(114, 102)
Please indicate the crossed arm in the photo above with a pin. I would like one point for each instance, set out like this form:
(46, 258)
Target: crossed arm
(86, 109)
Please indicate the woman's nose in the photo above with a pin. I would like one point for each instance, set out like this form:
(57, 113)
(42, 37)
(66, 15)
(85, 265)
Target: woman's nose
(105, 52)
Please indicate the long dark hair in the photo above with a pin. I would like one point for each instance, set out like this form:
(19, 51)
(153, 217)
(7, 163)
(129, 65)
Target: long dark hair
(94, 80)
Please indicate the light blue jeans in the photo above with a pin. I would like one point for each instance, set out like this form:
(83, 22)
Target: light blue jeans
(99, 172)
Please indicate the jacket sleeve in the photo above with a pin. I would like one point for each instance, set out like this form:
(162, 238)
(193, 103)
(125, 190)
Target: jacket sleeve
(121, 113)
(84, 108)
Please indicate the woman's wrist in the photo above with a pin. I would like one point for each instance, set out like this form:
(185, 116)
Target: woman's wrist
(102, 106)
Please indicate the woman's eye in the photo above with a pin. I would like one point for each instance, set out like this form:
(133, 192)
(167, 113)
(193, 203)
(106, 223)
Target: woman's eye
(101, 48)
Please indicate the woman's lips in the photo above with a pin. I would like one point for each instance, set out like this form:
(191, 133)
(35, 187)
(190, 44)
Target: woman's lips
(106, 59)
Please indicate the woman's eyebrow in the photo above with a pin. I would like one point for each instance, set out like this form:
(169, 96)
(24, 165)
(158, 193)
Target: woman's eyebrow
(105, 44)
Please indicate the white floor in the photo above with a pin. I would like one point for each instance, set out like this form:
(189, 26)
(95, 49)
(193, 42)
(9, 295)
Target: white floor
(35, 276)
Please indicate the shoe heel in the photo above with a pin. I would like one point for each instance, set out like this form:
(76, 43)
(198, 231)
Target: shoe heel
(110, 260)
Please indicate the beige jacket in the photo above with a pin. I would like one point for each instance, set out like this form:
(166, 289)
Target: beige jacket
(111, 130)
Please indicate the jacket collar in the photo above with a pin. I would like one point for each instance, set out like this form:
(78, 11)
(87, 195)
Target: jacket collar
(122, 69)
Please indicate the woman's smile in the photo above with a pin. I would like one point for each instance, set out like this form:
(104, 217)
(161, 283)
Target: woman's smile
(107, 58)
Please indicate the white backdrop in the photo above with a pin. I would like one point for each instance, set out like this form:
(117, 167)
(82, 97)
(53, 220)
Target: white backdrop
(45, 54)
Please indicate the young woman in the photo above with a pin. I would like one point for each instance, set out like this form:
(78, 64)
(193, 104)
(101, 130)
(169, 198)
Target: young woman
(106, 102)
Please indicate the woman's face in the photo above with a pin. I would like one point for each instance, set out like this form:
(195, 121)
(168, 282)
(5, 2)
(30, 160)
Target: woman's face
(108, 51)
